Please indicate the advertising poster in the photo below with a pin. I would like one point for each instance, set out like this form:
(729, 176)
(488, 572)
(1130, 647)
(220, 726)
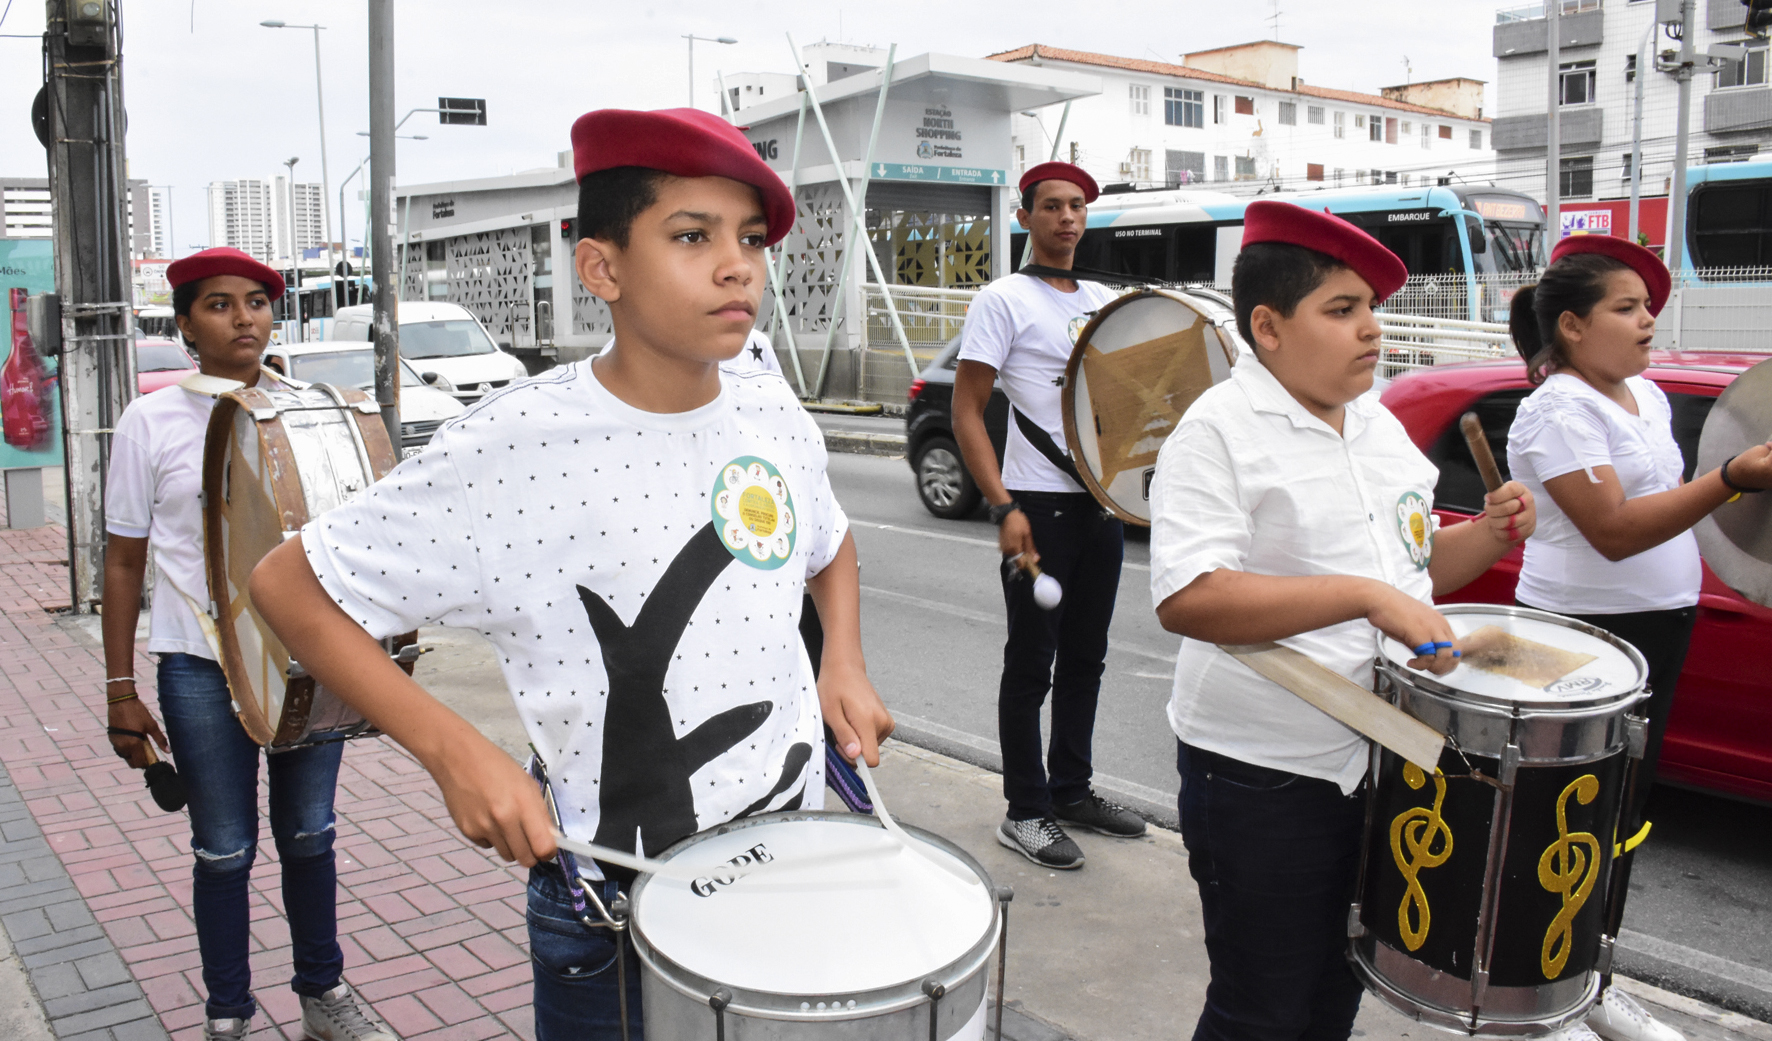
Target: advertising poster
(30, 399)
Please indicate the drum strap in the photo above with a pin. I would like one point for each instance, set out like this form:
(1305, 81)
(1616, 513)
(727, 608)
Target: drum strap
(1043, 444)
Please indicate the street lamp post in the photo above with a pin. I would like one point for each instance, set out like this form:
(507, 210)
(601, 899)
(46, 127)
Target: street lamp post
(320, 99)
(295, 335)
(691, 37)
(344, 241)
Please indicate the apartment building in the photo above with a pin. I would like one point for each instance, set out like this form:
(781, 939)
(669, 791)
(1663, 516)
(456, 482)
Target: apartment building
(241, 215)
(1242, 119)
(307, 225)
(1731, 115)
(150, 225)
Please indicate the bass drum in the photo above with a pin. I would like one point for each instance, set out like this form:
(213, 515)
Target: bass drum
(1136, 368)
(272, 461)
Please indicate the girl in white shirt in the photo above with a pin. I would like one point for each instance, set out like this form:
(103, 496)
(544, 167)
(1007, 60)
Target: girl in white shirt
(1614, 547)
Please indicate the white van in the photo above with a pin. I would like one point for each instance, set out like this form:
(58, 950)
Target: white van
(445, 339)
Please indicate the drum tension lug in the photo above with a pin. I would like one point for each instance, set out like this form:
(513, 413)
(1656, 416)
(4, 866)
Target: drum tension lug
(936, 991)
(1355, 929)
(1603, 958)
(1510, 764)
(718, 1001)
(1636, 736)
(1479, 987)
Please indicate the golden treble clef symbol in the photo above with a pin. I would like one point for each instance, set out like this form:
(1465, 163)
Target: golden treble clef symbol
(1421, 830)
(1568, 868)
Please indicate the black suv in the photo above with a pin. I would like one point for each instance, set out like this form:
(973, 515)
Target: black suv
(942, 481)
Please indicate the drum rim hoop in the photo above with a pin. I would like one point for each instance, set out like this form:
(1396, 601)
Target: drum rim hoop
(1067, 393)
(766, 1004)
(1435, 685)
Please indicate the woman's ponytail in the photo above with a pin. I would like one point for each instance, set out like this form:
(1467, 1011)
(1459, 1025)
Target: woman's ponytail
(1522, 324)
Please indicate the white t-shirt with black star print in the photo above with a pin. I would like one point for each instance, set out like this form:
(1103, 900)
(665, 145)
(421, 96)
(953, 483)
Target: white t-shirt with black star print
(640, 575)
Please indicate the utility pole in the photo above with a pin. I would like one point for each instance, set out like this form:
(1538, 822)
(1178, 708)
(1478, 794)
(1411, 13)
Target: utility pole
(1644, 57)
(1553, 127)
(296, 332)
(1676, 202)
(386, 327)
(82, 64)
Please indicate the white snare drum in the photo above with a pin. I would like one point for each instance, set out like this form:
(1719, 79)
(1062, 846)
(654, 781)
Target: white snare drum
(273, 460)
(886, 946)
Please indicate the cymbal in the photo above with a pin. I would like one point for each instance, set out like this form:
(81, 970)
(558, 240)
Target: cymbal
(1736, 539)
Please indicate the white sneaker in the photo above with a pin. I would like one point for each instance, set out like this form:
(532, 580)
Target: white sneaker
(337, 1016)
(1618, 1017)
(1573, 1032)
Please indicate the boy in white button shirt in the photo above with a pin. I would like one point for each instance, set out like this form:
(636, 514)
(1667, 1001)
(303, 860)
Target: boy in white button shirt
(1289, 505)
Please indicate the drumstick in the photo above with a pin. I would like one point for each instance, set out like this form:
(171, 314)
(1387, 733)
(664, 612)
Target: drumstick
(1479, 446)
(1047, 591)
(867, 780)
(695, 872)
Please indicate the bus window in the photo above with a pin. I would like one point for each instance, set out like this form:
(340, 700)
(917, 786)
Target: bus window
(1730, 222)
(1514, 247)
(1426, 249)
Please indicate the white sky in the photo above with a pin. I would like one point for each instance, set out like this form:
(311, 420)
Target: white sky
(229, 99)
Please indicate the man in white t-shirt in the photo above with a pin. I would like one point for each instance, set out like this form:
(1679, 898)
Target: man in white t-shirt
(1020, 331)
(633, 534)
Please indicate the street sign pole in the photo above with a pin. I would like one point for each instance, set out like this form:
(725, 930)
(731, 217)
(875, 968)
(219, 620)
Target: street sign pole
(386, 324)
(1553, 127)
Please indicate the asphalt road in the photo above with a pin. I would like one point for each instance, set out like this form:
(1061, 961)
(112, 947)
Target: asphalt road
(1699, 920)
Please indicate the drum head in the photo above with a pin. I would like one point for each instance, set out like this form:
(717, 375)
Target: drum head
(1136, 368)
(1520, 657)
(1736, 538)
(877, 921)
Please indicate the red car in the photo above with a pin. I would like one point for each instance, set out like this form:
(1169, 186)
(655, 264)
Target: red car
(160, 363)
(1720, 735)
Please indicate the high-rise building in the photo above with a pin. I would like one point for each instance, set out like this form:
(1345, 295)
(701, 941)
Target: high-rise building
(24, 208)
(308, 216)
(150, 227)
(241, 216)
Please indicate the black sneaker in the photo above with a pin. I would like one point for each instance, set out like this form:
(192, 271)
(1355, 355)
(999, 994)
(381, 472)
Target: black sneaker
(1099, 815)
(1042, 841)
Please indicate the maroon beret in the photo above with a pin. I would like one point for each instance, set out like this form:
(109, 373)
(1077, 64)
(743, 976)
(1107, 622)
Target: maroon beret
(222, 260)
(686, 142)
(1270, 220)
(1061, 172)
(1640, 260)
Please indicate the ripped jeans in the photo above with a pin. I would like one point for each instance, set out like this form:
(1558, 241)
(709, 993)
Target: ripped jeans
(220, 766)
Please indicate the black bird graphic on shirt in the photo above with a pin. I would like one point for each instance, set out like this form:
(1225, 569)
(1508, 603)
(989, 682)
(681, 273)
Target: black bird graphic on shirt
(644, 788)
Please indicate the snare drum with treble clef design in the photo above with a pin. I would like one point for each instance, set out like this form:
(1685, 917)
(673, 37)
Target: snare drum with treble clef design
(1481, 901)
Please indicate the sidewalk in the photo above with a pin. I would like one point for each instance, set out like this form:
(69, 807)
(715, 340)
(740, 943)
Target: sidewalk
(95, 880)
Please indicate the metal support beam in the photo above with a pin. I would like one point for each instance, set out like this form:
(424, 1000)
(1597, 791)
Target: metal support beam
(386, 327)
(860, 218)
(1553, 133)
(84, 82)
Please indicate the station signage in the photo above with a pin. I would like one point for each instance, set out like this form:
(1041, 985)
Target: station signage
(931, 172)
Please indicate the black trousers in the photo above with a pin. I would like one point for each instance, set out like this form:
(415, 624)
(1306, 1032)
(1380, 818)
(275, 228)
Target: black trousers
(1663, 638)
(1062, 651)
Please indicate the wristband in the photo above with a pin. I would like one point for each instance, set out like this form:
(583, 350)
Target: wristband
(120, 679)
(1731, 485)
(999, 513)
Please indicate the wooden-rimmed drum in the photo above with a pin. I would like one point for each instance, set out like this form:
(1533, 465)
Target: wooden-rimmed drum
(1136, 368)
(273, 460)
(1481, 903)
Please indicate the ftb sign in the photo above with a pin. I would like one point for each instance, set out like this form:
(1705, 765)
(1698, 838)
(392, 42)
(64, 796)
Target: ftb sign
(1587, 222)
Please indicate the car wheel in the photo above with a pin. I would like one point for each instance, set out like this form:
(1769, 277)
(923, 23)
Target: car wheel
(942, 481)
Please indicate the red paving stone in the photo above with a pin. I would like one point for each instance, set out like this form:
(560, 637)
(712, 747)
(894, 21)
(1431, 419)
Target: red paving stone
(431, 926)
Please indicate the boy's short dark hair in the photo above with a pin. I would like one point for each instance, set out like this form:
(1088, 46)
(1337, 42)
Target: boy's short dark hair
(609, 200)
(1279, 275)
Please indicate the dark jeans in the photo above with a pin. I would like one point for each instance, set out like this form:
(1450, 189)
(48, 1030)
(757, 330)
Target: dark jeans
(219, 764)
(577, 996)
(1062, 651)
(1663, 637)
(1276, 857)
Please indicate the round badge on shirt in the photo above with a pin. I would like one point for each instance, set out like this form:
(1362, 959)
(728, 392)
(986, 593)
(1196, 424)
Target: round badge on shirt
(1415, 525)
(754, 513)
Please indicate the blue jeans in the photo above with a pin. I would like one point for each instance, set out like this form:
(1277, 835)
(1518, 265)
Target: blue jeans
(577, 991)
(219, 764)
(1276, 857)
(1062, 651)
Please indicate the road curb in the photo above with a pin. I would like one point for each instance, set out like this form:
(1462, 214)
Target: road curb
(858, 442)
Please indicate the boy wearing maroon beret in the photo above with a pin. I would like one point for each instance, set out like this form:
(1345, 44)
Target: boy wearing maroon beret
(633, 534)
(1289, 505)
